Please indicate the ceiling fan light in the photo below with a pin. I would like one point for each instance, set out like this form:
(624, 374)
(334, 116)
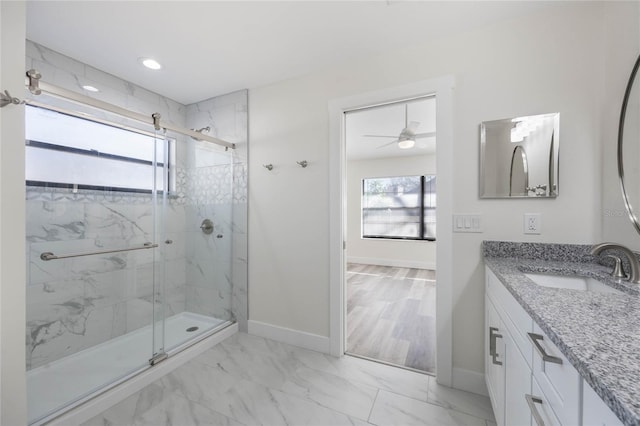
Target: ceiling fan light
(406, 143)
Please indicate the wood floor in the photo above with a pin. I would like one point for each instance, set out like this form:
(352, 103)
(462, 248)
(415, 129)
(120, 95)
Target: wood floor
(391, 315)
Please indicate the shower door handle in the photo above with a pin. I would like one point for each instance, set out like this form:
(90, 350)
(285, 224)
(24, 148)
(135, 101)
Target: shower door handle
(46, 256)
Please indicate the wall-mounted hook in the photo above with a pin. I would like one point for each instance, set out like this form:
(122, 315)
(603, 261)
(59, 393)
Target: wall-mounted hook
(303, 163)
(268, 166)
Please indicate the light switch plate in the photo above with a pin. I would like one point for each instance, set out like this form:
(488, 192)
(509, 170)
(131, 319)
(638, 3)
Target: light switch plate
(467, 223)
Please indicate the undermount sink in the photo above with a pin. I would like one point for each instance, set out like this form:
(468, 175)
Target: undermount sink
(571, 282)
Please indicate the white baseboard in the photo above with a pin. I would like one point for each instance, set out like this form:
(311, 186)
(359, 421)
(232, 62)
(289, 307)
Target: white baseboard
(302, 339)
(94, 406)
(470, 381)
(398, 263)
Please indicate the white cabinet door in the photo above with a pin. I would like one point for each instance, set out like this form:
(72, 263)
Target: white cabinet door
(494, 360)
(517, 385)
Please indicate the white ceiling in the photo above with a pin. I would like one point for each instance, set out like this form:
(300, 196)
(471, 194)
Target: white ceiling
(210, 48)
(389, 120)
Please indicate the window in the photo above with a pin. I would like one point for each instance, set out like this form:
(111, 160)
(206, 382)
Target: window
(71, 152)
(402, 207)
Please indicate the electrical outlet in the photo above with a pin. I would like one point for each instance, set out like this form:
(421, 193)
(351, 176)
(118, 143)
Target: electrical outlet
(532, 223)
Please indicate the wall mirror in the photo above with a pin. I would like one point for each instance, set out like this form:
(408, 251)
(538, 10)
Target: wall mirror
(629, 147)
(519, 157)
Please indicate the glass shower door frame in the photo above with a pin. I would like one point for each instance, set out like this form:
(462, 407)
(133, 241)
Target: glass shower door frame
(160, 201)
(97, 365)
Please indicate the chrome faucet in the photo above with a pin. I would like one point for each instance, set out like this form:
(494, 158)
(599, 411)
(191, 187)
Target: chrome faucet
(634, 274)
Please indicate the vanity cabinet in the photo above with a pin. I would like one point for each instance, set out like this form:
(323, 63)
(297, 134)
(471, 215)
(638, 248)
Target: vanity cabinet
(529, 381)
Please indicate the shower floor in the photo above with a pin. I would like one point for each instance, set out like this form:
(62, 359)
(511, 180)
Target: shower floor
(52, 386)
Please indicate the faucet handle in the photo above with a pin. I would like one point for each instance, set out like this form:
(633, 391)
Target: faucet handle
(618, 270)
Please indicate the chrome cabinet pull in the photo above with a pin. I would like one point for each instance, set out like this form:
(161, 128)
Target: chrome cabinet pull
(531, 402)
(493, 335)
(535, 339)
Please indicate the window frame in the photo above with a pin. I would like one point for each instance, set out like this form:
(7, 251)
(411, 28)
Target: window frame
(420, 207)
(168, 172)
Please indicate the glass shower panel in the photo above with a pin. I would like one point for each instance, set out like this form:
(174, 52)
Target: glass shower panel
(199, 286)
(90, 317)
(161, 181)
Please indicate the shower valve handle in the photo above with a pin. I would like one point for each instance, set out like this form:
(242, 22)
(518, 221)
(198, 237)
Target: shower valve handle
(207, 226)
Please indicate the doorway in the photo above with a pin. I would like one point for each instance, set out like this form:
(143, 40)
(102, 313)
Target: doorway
(443, 89)
(390, 221)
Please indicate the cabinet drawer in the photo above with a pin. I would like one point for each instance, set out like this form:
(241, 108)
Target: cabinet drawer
(515, 318)
(540, 409)
(559, 381)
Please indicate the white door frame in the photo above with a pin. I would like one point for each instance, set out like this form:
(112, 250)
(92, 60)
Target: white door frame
(442, 88)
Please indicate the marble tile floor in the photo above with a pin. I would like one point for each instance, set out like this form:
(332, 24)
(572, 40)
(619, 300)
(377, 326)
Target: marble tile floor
(248, 380)
(391, 315)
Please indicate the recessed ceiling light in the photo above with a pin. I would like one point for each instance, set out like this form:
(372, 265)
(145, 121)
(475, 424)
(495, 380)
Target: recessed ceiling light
(89, 88)
(152, 64)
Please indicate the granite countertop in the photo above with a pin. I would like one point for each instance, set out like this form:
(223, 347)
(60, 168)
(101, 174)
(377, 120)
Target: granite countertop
(598, 333)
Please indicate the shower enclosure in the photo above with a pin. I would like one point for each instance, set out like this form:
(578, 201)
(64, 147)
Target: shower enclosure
(128, 250)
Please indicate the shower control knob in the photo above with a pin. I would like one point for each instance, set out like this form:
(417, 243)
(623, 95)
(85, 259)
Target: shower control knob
(207, 226)
(219, 236)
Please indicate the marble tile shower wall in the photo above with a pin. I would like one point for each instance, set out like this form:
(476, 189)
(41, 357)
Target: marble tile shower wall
(78, 303)
(216, 174)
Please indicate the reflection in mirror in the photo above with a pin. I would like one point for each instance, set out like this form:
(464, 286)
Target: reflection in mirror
(629, 147)
(519, 157)
(519, 180)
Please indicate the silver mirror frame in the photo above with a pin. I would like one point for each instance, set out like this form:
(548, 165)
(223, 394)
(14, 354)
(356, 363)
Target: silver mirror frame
(627, 94)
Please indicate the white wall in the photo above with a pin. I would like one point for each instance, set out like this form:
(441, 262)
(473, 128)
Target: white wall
(403, 253)
(548, 62)
(13, 394)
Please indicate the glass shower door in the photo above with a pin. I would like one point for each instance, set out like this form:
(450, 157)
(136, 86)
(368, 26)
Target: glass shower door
(199, 283)
(160, 198)
(95, 273)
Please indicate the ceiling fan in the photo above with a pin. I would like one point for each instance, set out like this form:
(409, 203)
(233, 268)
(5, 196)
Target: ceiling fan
(407, 137)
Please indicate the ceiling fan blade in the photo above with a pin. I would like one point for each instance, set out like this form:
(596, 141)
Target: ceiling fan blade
(425, 135)
(379, 136)
(387, 144)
